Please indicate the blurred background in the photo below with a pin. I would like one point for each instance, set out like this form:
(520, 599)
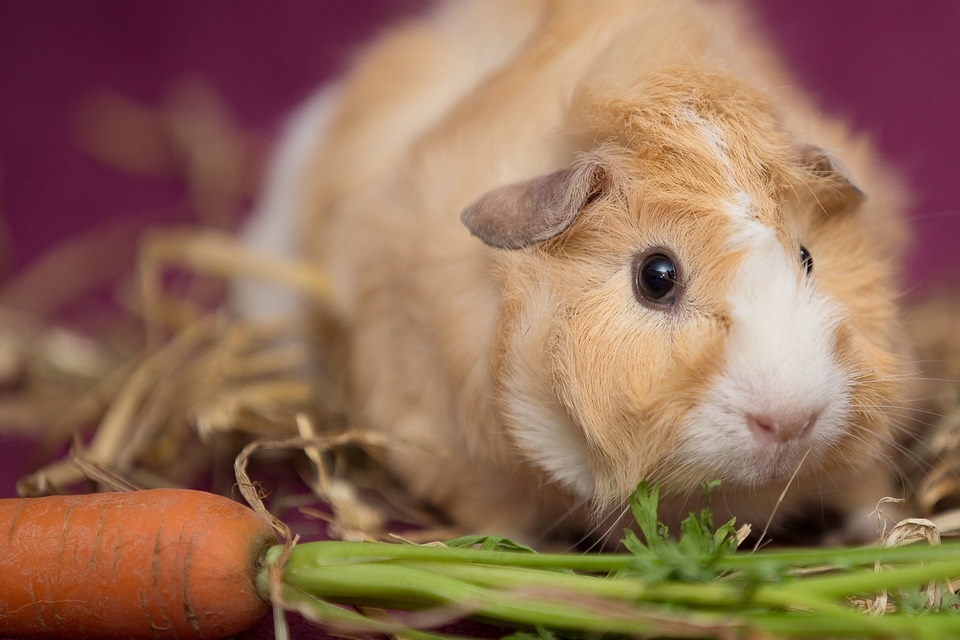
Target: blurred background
(890, 67)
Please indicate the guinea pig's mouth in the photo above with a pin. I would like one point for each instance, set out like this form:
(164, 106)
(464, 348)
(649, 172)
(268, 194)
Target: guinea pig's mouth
(748, 467)
(774, 464)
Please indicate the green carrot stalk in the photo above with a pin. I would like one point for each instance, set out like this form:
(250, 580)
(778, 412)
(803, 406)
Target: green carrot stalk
(190, 565)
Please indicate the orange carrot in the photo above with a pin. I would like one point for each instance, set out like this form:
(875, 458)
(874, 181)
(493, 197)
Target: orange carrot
(148, 564)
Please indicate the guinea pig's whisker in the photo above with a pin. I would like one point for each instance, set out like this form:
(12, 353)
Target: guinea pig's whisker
(867, 441)
(916, 378)
(880, 444)
(885, 458)
(565, 517)
(915, 375)
(592, 535)
(922, 418)
(912, 414)
(908, 408)
(622, 517)
(946, 317)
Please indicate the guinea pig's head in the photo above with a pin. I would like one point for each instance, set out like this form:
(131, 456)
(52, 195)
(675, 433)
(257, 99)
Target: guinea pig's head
(696, 297)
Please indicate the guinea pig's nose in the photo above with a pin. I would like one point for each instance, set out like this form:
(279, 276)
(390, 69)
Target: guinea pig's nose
(773, 429)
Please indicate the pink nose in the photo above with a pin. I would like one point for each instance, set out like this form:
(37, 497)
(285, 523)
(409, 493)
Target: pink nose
(772, 429)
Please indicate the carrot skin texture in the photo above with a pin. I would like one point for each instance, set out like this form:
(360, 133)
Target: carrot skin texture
(161, 563)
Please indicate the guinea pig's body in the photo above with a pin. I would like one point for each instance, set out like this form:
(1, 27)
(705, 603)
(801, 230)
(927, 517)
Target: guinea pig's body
(577, 245)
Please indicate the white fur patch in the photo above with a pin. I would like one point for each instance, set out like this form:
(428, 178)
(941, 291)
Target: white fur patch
(779, 364)
(273, 228)
(542, 428)
(742, 207)
(713, 137)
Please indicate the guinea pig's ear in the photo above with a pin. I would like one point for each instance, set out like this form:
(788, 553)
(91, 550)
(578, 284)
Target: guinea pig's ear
(831, 187)
(525, 213)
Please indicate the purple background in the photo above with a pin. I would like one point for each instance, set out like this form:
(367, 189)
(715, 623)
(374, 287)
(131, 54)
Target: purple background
(890, 67)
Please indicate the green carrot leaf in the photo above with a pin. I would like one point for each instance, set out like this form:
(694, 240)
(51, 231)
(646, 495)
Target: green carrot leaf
(633, 544)
(643, 506)
(488, 543)
(693, 557)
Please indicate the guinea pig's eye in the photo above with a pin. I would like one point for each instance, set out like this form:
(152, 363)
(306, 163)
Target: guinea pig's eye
(806, 259)
(655, 279)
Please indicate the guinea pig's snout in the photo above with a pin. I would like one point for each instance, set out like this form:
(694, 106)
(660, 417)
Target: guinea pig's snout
(774, 429)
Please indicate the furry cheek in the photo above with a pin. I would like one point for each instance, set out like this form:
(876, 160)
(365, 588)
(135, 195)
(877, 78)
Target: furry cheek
(538, 424)
(632, 388)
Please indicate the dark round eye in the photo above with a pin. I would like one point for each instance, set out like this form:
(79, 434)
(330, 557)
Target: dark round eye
(656, 279)
(806, 260)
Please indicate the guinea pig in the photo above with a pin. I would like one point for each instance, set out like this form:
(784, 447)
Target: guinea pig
(577, 245)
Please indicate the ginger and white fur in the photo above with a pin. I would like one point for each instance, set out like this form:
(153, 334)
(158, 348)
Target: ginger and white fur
(531, 385)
